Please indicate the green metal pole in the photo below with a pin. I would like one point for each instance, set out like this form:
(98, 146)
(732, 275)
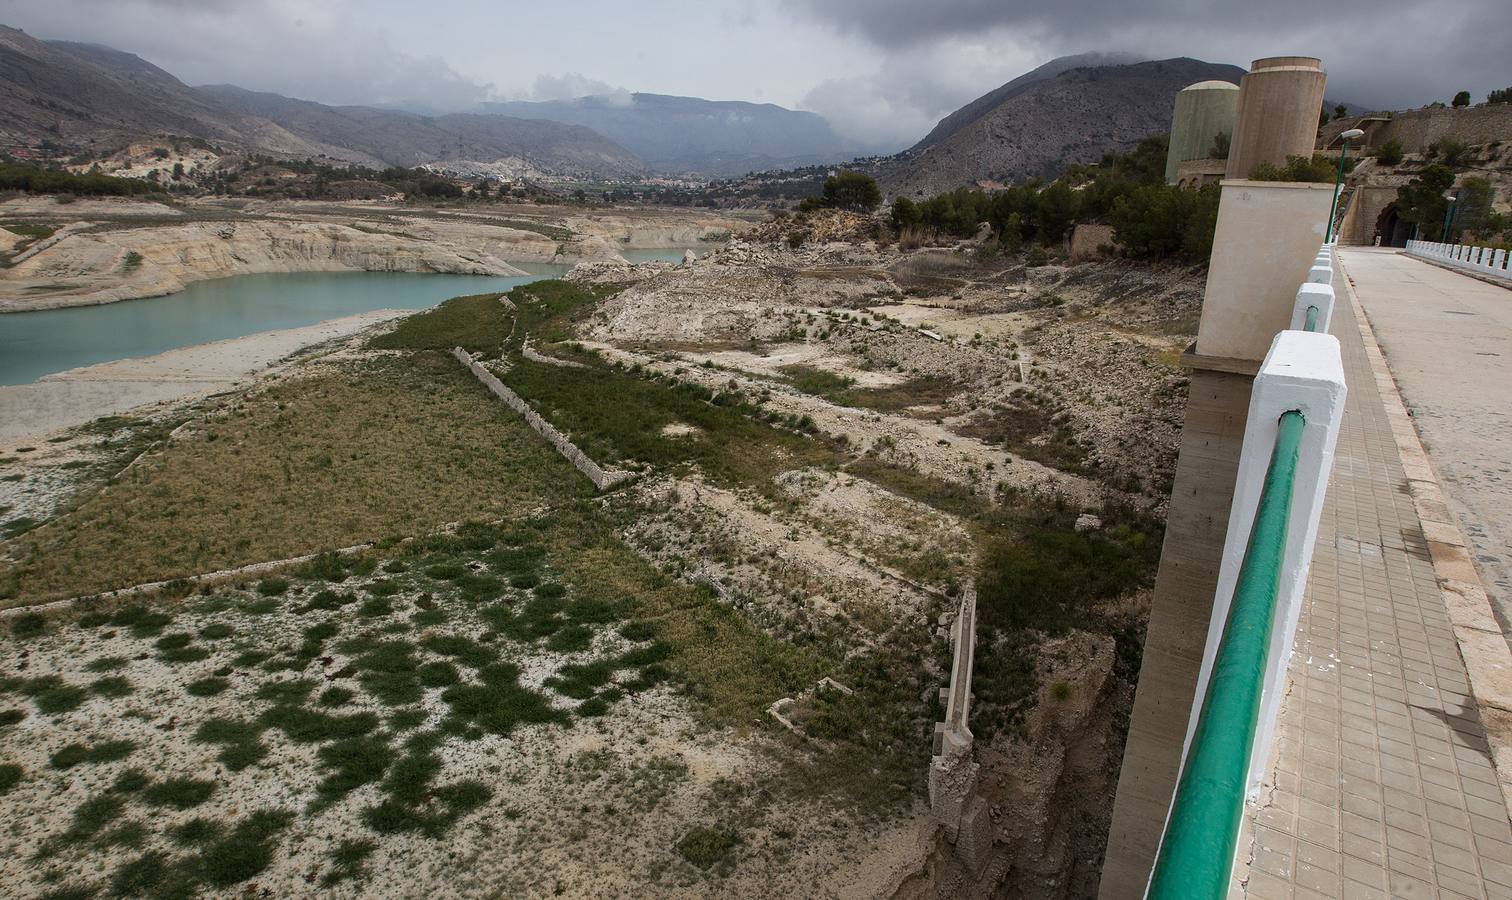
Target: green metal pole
(1197, 852)
(1338, 179)
(1449, 212)
(1312, 319)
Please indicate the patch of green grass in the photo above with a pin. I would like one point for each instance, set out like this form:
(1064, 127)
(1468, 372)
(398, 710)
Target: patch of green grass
(499, 703)
(616, 417)
(10, 776)
(216, 631)
(176, 641)
(184, 655)
(249, 658)
(113, 686)
(352, 763)
(240, 741)
(143, 622)
(462, 649)
(295, 691)
(192, 506)
(179, 793)
(375, 607)
(383, 588)
(106, 664)
(478, 323)
(445, 571)
(11, 716)
(406, 719)
(196, 832)
(272, 587)
(92, 815)
(243, 853)
(28, 625)
(438, 674)
(347, 858)
(706, 847)
(307, 726)
(77, 754)
(328, 601)
(206, 687)
(70, 892)
(335, 696)
(571, 639)
(130, 782)
(52, 696)
(388, 671)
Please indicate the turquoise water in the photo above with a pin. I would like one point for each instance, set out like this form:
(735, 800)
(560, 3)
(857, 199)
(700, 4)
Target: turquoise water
(33, 344)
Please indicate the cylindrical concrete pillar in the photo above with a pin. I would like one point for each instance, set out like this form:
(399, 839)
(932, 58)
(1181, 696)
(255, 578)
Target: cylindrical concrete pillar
(1203, 111)
(1279, 101)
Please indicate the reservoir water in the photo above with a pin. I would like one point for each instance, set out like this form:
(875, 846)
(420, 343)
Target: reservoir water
(33, 344)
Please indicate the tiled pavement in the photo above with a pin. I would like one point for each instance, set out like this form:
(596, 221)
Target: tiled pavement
(1382, 782)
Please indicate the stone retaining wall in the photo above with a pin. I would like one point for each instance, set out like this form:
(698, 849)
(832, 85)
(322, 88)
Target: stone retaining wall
(601, 479)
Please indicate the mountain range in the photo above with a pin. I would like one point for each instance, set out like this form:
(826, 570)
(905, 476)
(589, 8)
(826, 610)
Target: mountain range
(92, 100)
(677, 135)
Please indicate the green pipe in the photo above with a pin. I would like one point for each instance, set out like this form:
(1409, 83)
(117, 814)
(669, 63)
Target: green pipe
(1312, 319)
(1197, 852)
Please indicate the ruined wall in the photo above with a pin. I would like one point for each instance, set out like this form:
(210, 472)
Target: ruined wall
(569, 451)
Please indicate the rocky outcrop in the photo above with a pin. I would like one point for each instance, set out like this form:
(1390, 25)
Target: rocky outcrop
(89, 266)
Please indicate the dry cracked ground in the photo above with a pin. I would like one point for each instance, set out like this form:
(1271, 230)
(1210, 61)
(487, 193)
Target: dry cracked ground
(506, 684)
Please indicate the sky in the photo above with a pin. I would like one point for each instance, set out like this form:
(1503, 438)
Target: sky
(882, 71)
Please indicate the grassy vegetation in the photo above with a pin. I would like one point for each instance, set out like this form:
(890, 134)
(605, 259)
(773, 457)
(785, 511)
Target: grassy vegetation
(617, 417)
(478, 323)
(839, 389)
(327, 460)
(1029, 425)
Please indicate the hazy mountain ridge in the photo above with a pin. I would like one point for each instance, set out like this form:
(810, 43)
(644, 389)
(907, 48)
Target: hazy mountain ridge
(688, 134)
(94, 100)
(394, 137)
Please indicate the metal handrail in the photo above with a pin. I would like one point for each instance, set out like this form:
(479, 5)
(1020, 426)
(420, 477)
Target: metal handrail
(1196, 855)
(1311, 324)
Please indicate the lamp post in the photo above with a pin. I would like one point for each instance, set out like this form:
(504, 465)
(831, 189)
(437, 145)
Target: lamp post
(1344, 138)
(1449, 209)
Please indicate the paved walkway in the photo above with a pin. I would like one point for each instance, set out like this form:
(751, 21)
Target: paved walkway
(1383, 783)
(1448, 340)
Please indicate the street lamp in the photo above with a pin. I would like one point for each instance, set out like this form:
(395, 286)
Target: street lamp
(1345, 138)
(1449, 209)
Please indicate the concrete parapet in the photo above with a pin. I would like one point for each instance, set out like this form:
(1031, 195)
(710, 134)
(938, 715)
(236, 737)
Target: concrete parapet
(1266, 229)
(1303, 372)
(1483, 262)
(601, 479)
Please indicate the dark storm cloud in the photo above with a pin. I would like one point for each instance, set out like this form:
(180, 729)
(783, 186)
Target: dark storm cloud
(1377, 52)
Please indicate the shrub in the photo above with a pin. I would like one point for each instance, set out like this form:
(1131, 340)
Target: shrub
(1390, 153)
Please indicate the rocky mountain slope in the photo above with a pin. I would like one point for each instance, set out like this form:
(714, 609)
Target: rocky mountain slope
(688, 134)
(93, 100)
(1036, 126)
(989, 101)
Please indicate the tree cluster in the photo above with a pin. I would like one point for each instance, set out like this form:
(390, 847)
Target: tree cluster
(37, 180)
(1150, 219)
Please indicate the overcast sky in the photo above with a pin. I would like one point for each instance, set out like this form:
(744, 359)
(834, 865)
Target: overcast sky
(882, 71)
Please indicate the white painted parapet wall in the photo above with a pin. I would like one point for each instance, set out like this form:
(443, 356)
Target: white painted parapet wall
(1303, 372)
(1479, 260)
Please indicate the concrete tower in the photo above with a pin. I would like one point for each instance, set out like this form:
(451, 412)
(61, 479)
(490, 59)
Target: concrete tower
(1267, 236)
(1279, 101)
(1203, 111)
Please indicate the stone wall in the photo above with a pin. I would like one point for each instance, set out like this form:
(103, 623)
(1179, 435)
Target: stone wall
(601, 479)
(1417, 128)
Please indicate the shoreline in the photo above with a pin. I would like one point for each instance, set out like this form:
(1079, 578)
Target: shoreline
(29, 412)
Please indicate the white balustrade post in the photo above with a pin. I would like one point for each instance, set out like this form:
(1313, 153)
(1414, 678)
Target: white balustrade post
(1317, 295)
